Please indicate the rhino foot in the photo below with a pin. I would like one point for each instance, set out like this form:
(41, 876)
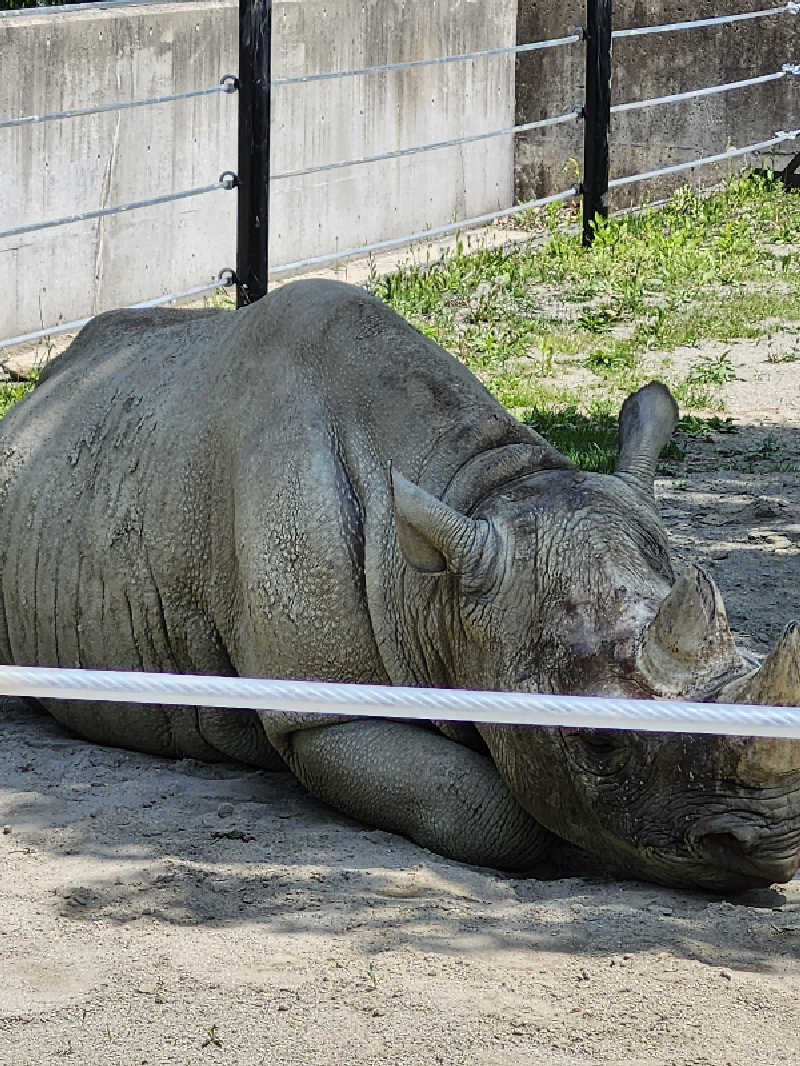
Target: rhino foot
(409, 780)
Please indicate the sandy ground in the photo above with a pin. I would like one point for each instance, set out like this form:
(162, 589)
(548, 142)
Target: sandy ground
(156, 912)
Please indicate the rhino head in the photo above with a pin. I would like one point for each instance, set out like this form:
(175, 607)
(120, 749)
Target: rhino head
(560, 581)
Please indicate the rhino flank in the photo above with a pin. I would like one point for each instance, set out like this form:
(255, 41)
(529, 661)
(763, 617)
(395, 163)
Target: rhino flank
(310, 488)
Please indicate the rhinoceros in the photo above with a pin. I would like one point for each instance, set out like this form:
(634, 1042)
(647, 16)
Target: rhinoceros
(310, 488)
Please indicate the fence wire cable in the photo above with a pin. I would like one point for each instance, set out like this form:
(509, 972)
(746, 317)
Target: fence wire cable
(719, 20)
(383, 701)
(302, 79)
(437, 231)
(400, 152)
(779, 138)
(655, 101)
(29, 120)
(91, 5)
(103, 212)
(224, 279)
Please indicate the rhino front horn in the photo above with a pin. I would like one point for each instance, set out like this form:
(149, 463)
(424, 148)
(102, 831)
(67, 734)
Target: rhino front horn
(776, 683)
(688, 648)
(646, 422)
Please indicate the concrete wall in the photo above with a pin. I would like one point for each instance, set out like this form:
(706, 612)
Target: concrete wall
(643, 67)
(57, 59)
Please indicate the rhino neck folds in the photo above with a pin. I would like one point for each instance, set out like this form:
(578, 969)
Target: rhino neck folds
(483, 474)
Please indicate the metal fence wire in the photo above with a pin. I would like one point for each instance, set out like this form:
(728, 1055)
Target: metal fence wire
(254, 84)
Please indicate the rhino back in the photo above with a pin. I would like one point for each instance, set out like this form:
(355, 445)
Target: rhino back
(189, 491)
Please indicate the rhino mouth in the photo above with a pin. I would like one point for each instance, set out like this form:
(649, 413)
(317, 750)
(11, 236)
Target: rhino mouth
(736, 846)
(737, 868)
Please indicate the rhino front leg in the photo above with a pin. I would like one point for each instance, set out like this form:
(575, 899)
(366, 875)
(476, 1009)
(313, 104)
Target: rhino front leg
(409, 780)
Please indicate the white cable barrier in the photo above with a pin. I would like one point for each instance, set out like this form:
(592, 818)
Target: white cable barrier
(787, 70)
(226, 180)
(228, 84)
(420, 235)
(540, 124)
(416, 704)
(574, 37)
(719, 20)
(409, 238)
(780, 137)
(225, 279)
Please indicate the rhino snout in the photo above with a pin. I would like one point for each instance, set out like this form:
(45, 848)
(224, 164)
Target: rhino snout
(738, 845)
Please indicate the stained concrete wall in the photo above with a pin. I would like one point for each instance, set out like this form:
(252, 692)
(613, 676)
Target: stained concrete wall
(58, 59)
(643, 67)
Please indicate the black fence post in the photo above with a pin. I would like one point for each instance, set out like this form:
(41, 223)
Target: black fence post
(252, 228)
(597, 115)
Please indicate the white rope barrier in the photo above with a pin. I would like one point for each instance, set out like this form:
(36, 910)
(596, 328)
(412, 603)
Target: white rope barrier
(381, 701)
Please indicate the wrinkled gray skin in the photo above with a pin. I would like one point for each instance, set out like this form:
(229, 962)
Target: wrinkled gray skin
(309, 488)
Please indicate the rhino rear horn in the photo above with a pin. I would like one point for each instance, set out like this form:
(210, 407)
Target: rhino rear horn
(688, 648)
(776, 682)
(434, 538)
(646, 422)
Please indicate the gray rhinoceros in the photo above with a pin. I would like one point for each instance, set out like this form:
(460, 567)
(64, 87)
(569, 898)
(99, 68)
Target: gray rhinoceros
(310, 488)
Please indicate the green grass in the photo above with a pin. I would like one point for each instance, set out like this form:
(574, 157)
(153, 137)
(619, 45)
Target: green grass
(703, 267)
(588, 440)
(10, 393)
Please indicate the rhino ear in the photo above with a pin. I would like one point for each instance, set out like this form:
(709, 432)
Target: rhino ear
(646, 422)
(432, 536)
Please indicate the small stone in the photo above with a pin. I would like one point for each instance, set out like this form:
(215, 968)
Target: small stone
(770, 537)
(225, 810)
(726, 974)
(715, 554)
(766, 508)
(233, 834)
(6, 830)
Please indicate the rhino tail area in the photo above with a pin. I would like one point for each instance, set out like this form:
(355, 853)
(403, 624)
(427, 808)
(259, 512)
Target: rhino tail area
(118, 330)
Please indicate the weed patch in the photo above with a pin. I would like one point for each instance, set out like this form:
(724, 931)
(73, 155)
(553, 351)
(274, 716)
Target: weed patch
(557, 331)
(10, 393)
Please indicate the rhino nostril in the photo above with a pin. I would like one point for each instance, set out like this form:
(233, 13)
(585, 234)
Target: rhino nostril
(724, 835)
(724, 847)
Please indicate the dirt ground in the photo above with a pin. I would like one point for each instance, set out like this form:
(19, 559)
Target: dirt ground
(156, 912)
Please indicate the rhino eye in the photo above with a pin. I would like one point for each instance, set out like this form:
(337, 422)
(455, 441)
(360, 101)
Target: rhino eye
(603, 751)
(599, 742)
